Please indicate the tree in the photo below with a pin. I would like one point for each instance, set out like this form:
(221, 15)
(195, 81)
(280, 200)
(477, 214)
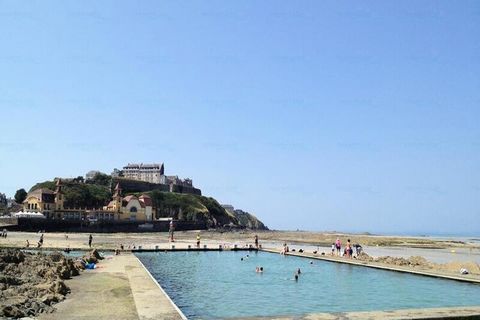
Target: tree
(101, 179)
(20, 195)
(78, 179)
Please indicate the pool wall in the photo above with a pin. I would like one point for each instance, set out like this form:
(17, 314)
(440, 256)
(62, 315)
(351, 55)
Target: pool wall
(455, 313)
(177, 309)
(464, 312)
(462, 278)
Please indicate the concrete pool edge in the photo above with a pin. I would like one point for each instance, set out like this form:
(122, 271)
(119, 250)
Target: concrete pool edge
(174, 306)
(455, 313)
(378, 266)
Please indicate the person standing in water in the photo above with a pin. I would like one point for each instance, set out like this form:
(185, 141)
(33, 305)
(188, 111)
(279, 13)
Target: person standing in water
(90, 239)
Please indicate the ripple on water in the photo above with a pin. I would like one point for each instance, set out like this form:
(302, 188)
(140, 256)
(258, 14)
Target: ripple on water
(219, 285)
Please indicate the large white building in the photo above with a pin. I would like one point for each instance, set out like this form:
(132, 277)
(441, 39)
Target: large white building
(153, 172)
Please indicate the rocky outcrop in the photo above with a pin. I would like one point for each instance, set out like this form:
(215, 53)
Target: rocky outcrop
(248, 220)
(31, 283)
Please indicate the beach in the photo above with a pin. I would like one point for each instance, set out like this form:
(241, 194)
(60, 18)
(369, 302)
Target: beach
(437, 250)
(442, 257)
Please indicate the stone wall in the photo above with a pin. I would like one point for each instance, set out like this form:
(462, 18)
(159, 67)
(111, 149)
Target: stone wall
(34, 225)
(130, 186)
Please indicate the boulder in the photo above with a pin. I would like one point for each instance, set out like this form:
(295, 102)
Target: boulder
(31, 283)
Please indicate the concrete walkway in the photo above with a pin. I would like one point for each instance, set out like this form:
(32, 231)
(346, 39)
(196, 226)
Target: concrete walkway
(419, 271)
(120, 289)
(461, 313)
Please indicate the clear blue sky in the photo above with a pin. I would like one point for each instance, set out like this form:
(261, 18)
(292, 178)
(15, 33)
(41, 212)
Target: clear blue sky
(316, 115)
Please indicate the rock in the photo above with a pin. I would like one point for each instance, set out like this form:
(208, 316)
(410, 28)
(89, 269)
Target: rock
(79, 265)
(12, 311)
(364, 257)
(49, 298)
(418, 261)
(93, 256)
(31, 283)
(59, 287)
(12, 256)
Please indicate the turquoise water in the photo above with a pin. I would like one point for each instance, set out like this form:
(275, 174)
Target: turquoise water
(218, 285)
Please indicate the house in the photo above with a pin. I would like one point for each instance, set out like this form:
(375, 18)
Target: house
(40, 200)
(131, 207)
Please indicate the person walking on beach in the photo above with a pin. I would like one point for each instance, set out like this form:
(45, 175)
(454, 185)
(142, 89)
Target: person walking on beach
(90, 238)
(40, 241)
(338, 246)
(198, 240)
(256, 241)
(171, 231)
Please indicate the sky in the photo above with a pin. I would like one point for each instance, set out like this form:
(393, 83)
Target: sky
(314, 115)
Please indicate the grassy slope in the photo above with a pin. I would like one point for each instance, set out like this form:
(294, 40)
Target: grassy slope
(185, 207)
(191, 208)
(80, 194)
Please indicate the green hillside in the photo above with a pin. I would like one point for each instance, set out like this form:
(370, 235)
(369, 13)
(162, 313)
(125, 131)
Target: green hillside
(185, 207)
(80, 195)
(188, 207)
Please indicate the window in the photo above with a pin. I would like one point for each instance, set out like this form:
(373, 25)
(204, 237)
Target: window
(133, 209)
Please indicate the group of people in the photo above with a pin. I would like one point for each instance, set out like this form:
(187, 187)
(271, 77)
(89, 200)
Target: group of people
(348, 250)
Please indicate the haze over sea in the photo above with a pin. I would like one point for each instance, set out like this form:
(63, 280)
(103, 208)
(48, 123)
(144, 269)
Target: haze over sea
(331, 115)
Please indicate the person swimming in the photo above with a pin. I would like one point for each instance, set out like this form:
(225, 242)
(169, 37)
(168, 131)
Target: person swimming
(299, 271)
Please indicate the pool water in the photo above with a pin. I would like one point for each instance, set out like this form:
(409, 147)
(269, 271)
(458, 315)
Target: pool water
(218, 285)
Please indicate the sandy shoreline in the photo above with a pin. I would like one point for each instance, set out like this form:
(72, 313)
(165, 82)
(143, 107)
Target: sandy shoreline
(436, 250)
(446, 256)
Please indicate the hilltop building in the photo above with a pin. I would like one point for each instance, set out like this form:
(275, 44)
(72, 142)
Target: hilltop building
(153, 173)
(175, 180)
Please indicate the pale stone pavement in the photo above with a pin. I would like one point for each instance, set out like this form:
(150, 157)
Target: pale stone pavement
(121, 289)
(461, 313)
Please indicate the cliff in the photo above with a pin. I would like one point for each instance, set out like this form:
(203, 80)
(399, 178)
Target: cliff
(189, 207)
(245, 219)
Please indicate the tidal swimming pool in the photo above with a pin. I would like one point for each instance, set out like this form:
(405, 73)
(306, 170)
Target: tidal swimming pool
(218, 285)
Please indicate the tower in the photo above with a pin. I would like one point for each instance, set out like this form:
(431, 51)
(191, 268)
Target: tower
(117, 198)
(59, 197)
